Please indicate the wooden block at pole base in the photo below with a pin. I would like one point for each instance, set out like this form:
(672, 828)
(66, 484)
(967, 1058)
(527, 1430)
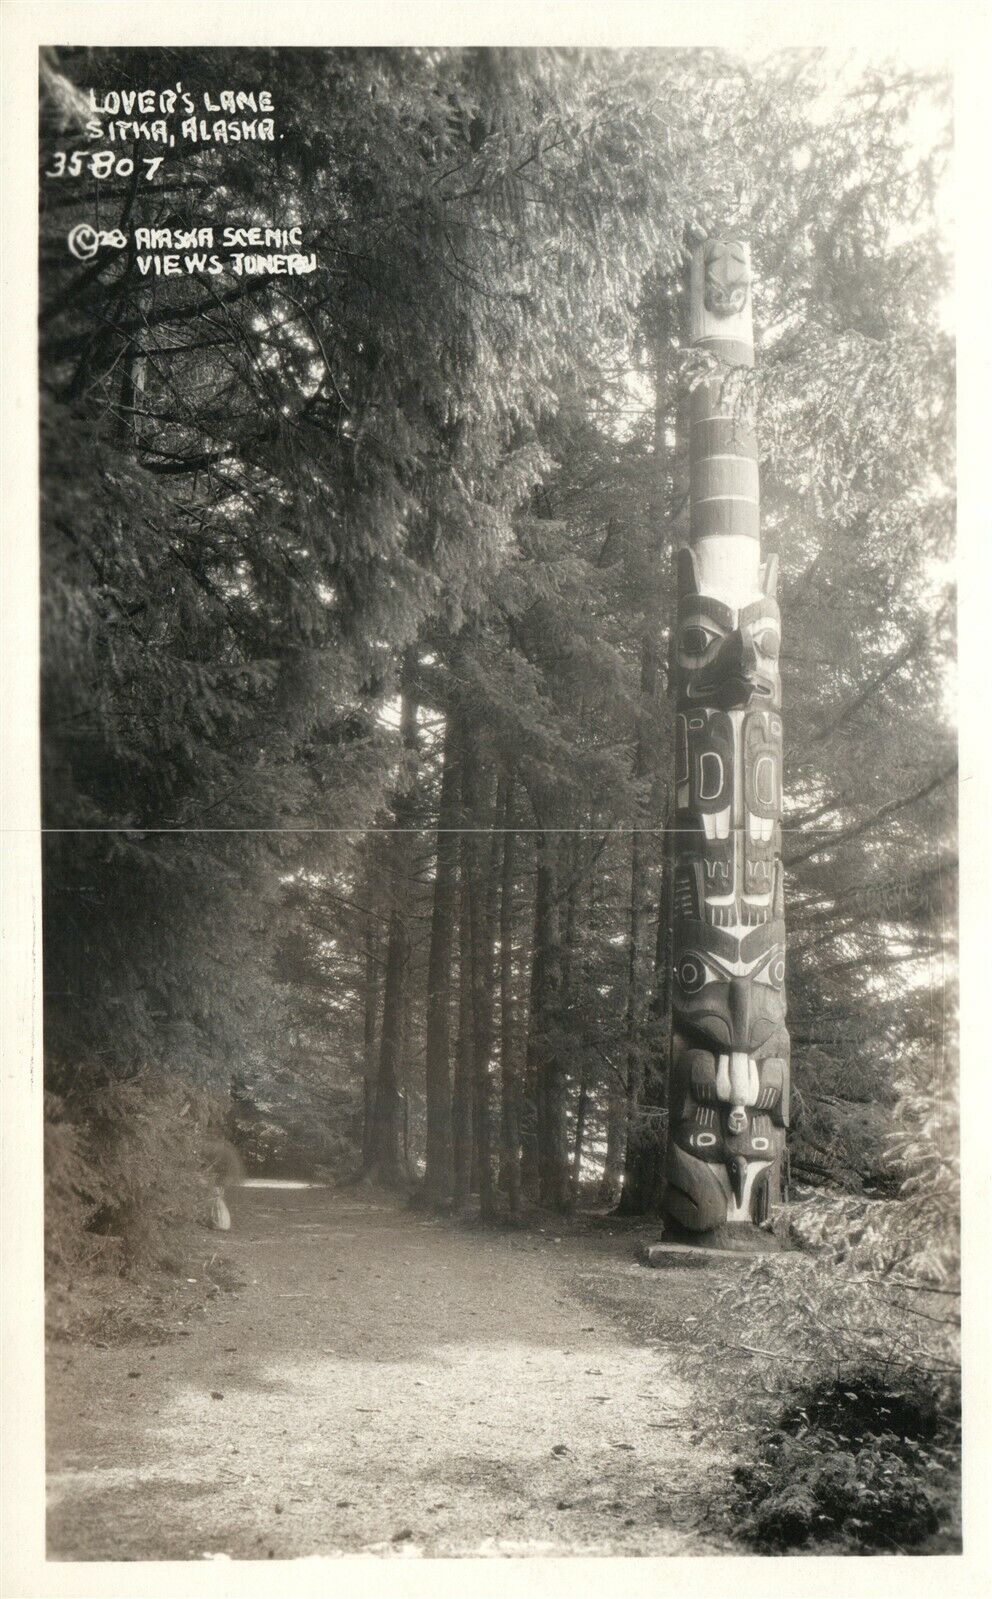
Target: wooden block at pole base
(711, 1249)
(683, 1256)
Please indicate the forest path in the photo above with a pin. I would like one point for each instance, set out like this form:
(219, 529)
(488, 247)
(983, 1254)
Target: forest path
(388, 1383)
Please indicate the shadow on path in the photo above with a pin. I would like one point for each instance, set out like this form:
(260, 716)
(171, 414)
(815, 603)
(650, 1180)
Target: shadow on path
(391, 1384)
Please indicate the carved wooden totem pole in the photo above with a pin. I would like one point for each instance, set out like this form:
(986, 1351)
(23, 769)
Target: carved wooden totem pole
(729, 1081)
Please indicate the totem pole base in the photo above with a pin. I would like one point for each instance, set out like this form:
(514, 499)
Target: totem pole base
(736, 1238)
(682, 1248)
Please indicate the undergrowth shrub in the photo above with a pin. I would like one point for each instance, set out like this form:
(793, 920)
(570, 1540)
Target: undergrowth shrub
(223, 1162)
(862, 1460)
(74, 1192)
(126, 1169)
(147, 1137)
(864, 1448)
(916, 1233)
(858, 1336)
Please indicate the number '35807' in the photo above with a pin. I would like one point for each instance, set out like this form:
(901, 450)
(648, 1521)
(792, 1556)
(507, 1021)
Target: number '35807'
(99, 164)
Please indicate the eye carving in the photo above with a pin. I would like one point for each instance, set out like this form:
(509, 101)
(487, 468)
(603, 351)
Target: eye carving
(774, 973)
(691, 974)
(696, 640)
(767, 641)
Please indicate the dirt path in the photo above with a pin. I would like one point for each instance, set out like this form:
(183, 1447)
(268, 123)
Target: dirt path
(387, 1384)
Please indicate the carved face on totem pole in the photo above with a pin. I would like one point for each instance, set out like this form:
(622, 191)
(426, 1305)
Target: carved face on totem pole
(726, 277)
(728, 1019)
(729, 1089)
(729, 1084)
(725, 656)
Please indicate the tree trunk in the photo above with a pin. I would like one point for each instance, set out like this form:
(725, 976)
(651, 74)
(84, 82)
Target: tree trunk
(386, 1159)
(461, 1107)
(611, 1181)
(439, 1176)
(642, 1130)
(483, 907)
(543, 1043)
(371, 998)
(644, 1182)
(368, 1120)
(387, 1163)
(481, 877)
(633, 1044)
(572, 856)
(132, 369)
(580, 1129)
(529, 1100)
(616, 1141)
(510, 1148)
(533, 1080)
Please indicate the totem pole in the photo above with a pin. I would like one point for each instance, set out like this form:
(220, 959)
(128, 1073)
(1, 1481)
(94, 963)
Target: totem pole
(729, 1078)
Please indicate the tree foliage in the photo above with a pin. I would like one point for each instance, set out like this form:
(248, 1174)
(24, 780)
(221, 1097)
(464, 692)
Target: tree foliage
(448, 465)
